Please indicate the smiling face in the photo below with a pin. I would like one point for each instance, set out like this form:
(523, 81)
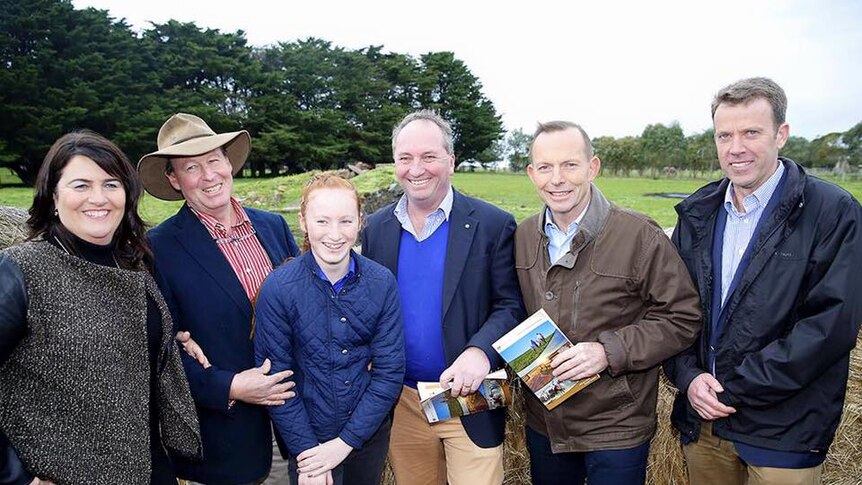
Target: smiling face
(748, 143)
(422, 165)
(331, 220)
(90, 203)
(562, 170)
(206, 182)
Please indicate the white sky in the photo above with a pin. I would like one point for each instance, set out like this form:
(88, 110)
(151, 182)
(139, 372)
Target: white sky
(613, 66)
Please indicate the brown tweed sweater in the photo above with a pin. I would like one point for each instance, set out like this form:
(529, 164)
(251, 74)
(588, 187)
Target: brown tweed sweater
(74, 395)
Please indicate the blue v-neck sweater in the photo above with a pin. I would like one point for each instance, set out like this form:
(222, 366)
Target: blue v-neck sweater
(420, 283)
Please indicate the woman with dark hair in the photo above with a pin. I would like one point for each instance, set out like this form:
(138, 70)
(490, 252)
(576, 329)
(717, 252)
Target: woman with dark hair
(91, 384)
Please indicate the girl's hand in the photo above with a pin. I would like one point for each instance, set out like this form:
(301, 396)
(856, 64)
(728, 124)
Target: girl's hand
(325, 479)
(322, 458)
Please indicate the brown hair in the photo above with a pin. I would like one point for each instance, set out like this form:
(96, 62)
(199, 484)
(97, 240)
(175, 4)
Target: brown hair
(325, 180)
(555, 126)
(745, 91)
(131, 249)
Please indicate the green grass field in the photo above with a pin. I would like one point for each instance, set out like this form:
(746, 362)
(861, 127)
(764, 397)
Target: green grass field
(511, 192)
(520, 362)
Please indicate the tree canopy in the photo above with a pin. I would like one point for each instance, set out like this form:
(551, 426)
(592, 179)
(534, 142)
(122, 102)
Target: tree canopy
(308, 104)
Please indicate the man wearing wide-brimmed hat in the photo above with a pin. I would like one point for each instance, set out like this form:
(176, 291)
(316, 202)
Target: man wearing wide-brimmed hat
(211, 258)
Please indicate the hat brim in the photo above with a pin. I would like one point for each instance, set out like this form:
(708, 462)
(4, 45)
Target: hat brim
(151, 167)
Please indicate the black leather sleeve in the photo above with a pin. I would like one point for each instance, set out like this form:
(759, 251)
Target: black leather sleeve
(12, 471)
(13, 307)
(13, 326)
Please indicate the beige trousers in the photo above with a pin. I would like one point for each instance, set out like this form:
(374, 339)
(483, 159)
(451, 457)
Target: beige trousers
(434, 454)
(712, 460)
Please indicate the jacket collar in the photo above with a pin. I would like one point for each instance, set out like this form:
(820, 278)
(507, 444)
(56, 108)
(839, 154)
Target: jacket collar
(196, 240)
(592, 222)
(591, 225)
(700, 207)
(462, 228)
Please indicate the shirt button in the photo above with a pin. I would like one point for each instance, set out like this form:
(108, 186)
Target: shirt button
(741, 251)
(549, 295)
(344, 351)
(343, 320)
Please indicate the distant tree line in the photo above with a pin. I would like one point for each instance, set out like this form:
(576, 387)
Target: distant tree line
(308, 104)
(664, 150)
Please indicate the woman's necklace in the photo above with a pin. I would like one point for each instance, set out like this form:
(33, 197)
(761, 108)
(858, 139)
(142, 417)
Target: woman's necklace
(63, 247)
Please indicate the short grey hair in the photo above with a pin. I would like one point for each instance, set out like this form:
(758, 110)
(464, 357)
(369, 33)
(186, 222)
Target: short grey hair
(433, 117)
(745, 91)
(555, 126)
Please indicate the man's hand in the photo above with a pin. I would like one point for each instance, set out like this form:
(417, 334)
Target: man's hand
(582, 360)
(325, 479)
(321, 459)
(254, 386)
(37, 481)
(467, 372)
(193, 349)
(703, 396)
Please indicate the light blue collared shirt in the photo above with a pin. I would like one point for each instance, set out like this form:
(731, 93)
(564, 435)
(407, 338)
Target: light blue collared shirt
(432, 220)
(559, 241)
(741, 225)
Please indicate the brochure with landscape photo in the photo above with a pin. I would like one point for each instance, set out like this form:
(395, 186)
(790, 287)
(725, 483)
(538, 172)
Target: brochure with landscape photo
(529, 349)
(439, 404)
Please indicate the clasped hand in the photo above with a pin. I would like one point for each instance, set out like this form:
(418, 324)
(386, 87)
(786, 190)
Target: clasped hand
(314, 463)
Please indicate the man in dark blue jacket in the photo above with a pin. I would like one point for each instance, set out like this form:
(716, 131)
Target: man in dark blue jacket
(775, 254)
(454, 262)
(211, 258)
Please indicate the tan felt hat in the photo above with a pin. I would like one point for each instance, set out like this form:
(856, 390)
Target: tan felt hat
(185, 135)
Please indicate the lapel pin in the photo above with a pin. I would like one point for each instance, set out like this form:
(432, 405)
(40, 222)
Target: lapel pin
(466, 226)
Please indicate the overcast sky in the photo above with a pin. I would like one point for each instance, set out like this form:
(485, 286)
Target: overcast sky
(613, 66)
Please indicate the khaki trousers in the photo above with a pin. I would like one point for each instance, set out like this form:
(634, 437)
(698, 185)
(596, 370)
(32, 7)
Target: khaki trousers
(434, 454)
(712, 460)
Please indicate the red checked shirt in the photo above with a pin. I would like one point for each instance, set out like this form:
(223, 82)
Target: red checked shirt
(240, 247)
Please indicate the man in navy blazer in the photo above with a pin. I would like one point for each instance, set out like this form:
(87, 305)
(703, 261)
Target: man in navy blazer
(453, 259)
(211, 258)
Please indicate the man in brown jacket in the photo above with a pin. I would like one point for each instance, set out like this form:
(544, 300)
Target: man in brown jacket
(615, 285)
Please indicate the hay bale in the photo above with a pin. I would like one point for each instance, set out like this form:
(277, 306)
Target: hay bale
(843, 464)
(13, 226)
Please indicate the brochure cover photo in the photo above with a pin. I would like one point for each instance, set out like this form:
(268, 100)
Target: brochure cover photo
(439, 404)
(529, 349)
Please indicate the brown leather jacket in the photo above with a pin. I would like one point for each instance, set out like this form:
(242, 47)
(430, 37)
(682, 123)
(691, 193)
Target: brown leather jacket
(622, 284)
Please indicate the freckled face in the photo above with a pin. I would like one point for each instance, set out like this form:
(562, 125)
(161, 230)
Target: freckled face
(331, 222)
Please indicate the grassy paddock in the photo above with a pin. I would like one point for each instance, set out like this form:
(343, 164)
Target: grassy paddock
(511, 192)
(8, 177)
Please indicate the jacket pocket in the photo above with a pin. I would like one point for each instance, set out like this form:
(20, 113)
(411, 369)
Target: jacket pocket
(620, 393)
(576, 297)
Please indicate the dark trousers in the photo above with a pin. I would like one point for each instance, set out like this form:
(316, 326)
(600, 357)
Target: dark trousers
(161, 472)
(603, 467)
(361, 467)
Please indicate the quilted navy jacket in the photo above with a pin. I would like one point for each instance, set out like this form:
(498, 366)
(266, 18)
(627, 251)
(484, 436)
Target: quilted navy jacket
(329, 340)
